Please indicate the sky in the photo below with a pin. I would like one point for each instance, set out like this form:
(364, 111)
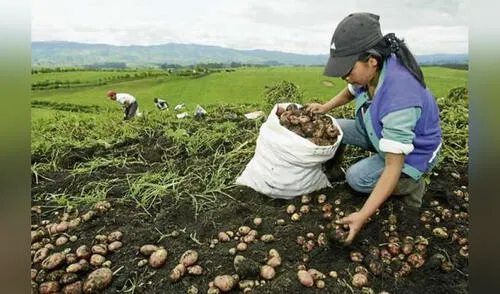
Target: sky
(296, 26)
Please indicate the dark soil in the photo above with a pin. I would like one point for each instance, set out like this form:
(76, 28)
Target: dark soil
(240, 208)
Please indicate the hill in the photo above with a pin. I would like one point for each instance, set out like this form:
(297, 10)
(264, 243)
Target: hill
(61, 53)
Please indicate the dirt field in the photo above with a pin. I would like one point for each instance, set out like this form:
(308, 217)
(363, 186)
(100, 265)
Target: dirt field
(177, 227)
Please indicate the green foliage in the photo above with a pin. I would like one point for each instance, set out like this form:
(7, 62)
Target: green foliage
(281, 92)
(455, 125)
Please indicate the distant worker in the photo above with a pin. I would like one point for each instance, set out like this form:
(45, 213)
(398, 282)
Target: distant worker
(129, 103)
(161, 104)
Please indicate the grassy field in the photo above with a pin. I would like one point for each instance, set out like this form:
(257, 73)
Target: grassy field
(242, 86)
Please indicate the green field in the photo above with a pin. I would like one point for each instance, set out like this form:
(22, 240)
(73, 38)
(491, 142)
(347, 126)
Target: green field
(242, 86)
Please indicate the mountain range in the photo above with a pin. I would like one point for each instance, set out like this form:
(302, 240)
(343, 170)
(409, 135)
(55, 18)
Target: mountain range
(62, 53)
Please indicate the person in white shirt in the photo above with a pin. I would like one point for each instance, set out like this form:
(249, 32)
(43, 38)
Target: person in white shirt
(128, 102)
(160, 104)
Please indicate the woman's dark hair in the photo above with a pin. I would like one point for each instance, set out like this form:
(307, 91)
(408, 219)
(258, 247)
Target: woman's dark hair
(391, 44)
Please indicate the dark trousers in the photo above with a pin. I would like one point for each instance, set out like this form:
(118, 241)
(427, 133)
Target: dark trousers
(130, 110)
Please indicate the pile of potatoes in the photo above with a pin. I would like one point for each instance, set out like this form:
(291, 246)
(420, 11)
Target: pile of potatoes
(317, 128)
(65, 271)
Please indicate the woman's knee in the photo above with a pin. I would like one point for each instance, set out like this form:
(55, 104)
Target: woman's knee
(358, 180)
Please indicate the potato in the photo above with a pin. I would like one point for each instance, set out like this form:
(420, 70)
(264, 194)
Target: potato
(213, 290)
(257, 221)
(243, 230)
(246, 284)
(61, 227)
(224, 282)
(53, 261)
(440, 233)
(158, 258)
(54, 275)
(97, 260)
(305, 278)
(115, 245)
(274, 261)
(49, 287)
(83, 252)
(72, 224)
(267, 238)
(98, 280)
(177, 272)
(223, 237)
(148, 249)
(71, 258)
(241, 247)
(290, 209)
(320, 284)
(61, 240)
(359, 280)
(101, 238)
(115, 236)
(361, 269)
(333, 274)
(304, 209)
(74, 288)
(356, 256)
(416, 260)
(267, 272)
(68, 278)
(142, 262)
(40, 255)
(189, 258)
(376, 267)
(33, 274)
(195, 270)
(394, 248)
(248, 239)
(37, 235)
(315, 274)
(101, 249)
(74, 268)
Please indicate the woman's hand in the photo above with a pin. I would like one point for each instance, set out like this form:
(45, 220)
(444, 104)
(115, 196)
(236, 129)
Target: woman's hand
(316, 108)
(356, 221)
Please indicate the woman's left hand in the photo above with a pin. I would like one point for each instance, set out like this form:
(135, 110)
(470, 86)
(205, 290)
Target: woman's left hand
(356, 221)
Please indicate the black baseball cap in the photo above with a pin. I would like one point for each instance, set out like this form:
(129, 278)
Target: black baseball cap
(355, 34)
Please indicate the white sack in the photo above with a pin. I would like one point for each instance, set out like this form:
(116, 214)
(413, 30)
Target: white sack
(285, 164)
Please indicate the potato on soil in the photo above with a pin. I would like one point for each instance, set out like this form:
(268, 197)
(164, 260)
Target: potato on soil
(115, 236)
(359, 280)
(73, 288)
(83, 252)
(53, 261)
(158, 258)
(97, 280)
(49, 287)
(267, 272)
(148, 249)
(195, 270)
(40, 255)
(189, 258)
(224, 282)
(305, 278)
(315, 274)
(177, 272)
(267, 238)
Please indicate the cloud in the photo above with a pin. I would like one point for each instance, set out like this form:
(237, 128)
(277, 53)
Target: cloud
(300, 26)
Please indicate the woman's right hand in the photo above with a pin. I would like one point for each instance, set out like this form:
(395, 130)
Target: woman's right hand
(316, 108)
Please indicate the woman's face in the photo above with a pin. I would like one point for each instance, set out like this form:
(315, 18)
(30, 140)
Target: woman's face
(362, 73)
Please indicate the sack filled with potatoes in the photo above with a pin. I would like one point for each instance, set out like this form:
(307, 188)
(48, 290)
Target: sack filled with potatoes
(317, 128)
